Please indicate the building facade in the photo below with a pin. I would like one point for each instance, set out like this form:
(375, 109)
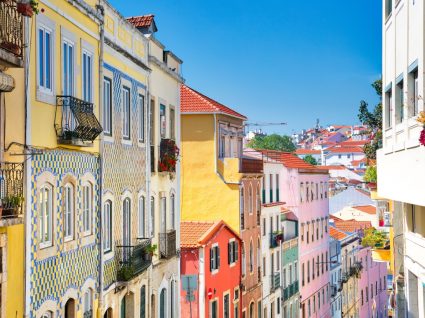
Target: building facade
(402, 155)
(211, 270)
(62, 191)
(335, 271)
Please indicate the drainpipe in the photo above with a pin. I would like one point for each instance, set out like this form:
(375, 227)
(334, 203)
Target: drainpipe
(27, 173)
(100, 161)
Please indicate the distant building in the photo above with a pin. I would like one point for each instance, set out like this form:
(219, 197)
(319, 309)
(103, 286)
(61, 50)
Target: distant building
(350, 197)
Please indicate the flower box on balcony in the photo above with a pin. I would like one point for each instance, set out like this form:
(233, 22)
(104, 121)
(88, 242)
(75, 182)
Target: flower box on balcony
(169, 153)
(11, 47)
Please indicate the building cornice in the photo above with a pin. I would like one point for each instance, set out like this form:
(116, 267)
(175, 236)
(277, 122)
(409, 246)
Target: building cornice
(127, 54)
(166, 69)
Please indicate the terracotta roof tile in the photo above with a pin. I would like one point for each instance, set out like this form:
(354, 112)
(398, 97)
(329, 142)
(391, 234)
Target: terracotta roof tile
(334, 167)
(337, 234)
(369, 209)
(191, 232)
(193, 101)
(344, 149)
(288, 159)
(307, 152)
(351, 226)
(141, 21)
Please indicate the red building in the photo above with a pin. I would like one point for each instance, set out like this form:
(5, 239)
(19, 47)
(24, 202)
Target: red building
(210, 270)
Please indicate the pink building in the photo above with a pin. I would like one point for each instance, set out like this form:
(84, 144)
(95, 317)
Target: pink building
(372, 286)
(304, 189)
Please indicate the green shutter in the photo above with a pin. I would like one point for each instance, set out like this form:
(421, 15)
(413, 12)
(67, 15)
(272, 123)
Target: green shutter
(218, 257)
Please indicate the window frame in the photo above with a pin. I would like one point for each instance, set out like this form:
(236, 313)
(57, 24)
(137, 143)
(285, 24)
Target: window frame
(107, 227)
(50, 222)
(141, 107)
(162, 120)
(87, 212)
(70, 43)
(107, 109)
(87, 74)
(41, 71)
(172, 122)
(141, 216)
(126, 112)
(69, 236)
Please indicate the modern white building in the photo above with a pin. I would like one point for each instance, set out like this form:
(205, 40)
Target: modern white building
(401, 161)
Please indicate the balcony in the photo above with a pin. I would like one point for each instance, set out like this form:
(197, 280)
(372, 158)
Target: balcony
(356, 269)
(290, 290)
(334, 290)
(251, 166)
(11, 34)
(275, 239)
(167, 244)
(168, 155)
(133, 259)
(11, 192)
(274, 282)
(75, 122)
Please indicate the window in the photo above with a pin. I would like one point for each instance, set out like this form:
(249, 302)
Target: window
(48, 314)
(388, 108)
(88, 304)
(173, 210)
(243, 269)
(126, 222)
(264, 266)
(45, 59)
(107, 106)
(312, 268)
(213, 309)
(264, 226)
(67, 68)
(162, 121)
(251, 257)
(125, 92)
(250, 205)
(142, 217)
(317, 187)
(226, 306)
(141, 104)
(242, 207)
(163, 207)
(277, 188)
(327, 261)
(214, 258)
(308, 271)
(413, 92)
(69, 212)
(323, 264)
(271, 187)
(307, 192)
(46, 217)
(361, 297)
(163, 304)
(301, 191)
(172, 123)
(264, 189)
(152, 218)
(314, 303)
(258, 206)
(232, 252)
(107, 226)
(259, 309)
(388, 8)
(302, 274)
(87, 208)
(321, 189)
(399, 105)
(143, 302)
(367, 294)
(172, 297)
(87, 76)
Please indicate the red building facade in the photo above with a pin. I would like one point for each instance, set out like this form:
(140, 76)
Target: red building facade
(210, 270)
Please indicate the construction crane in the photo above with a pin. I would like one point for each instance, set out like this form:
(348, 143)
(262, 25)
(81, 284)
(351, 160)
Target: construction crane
(247, 125)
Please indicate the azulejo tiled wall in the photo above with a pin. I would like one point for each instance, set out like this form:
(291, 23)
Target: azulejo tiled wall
(124, 162)
(66, 269)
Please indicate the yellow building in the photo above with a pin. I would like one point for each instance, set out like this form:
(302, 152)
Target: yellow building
(62, 214)
(211, 174)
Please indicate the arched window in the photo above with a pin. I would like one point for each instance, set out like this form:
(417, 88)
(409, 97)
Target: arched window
(47, 314)
(152, 218)
(251, 310)
(258, 205)
(68, 222)
(107, 226)
(70, 308)
(87, 208)
(88, 304)
(141, 218)
(46, 215)
(163, 304)
(251, 257)
(123, 309)
(173, 210)
(172, 300)
(126, 227)
(258, 258)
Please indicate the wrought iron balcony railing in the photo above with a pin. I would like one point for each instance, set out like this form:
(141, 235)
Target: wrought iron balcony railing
(75, 122)
(133, 259)
(290, 290)
(168, 155)
(11, 28)
(167, 244)
(274, 282)
(275, 239)
(11, 189)
(356, 269)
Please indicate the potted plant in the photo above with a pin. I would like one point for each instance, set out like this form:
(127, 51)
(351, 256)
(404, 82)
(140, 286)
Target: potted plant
(28, 8)
(125, 273)
(151, 249)
(169, 153)
(11, 205)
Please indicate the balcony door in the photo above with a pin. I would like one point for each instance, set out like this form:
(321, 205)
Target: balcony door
(126, 231)
(163, 215)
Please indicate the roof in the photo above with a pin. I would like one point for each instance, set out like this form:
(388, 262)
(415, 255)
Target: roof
(307, 152)
(195, 234)
(193, 101)
(355, 163)
(369, 209)
(351, 226)
(332, 167)
(344, 149)
(288, 159)
(336, 234)
(364, 192)
(142, 21)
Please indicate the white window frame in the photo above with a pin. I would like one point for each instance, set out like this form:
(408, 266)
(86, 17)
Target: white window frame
(152, 217)
(46, 197)
(107, 107)
(69, 212)
(215, 248)
(173, 210)
(229, 312)
(70, 69)
(126, 113)
(141, 218)
(162, 120)
(107, 226)
(172, 122)
(87, 86)
(47, 314)
(87, 204)
(42, 87)
(88, 302)
(141, 105)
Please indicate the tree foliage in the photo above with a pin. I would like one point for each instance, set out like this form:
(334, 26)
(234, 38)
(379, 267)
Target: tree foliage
(272, 142)
(370, 174)
(311, 160)
(374, 238)
(373, 121)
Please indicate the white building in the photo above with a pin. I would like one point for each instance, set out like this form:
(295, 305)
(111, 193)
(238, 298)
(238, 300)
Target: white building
(401, 161)
(336, 271)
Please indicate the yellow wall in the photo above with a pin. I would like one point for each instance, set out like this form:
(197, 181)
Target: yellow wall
(15, 270)
(43, 114)
(205, 196)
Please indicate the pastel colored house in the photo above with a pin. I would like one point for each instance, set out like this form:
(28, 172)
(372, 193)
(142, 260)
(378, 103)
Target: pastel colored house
(211, 263)
(342, 155)
(359, 213)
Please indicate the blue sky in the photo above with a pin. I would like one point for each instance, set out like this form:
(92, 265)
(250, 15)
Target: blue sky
(274, 61)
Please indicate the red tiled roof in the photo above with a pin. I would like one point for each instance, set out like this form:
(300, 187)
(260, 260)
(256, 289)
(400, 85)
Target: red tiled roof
(369, 209)
(307, 152)
(351, 226)
(334, 167)
(337, 234)
(141, 21)
(344, 149)
(192, 101)
(288, 159)
(357, 162)
(335, 218)
(363, 192)
(351, 142)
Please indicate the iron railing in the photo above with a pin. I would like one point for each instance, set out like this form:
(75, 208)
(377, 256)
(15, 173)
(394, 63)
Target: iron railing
(275, 239)
(75, 122)
(290, 290)
(133, 259)
(356, 269)
(168, 155)
(274, 281)
(11, 188)
(11, 28)
(167, 244)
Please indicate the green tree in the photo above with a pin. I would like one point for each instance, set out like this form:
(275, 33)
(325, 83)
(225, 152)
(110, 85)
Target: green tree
(373, 121)
(272, 142)
(374, 238)
(311, 160)
(370, 174)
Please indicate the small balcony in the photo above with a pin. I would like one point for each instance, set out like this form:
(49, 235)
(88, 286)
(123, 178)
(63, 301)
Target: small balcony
(251, 166)
(75, 122)
(356, 269)
(168, 155)
(11, 192)
(11, 34)
(274, 282)
(290, 290)
(133, 259)
(334, 290)
(275, 239)
(167, 244)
